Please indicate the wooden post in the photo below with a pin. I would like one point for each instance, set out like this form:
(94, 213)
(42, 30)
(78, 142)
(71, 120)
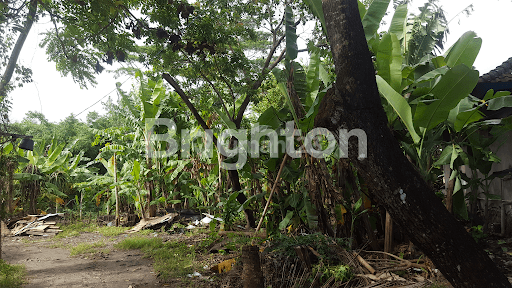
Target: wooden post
(388, 234)
(252, 276)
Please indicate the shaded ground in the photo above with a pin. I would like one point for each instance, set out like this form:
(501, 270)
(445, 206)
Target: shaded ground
(49, 265)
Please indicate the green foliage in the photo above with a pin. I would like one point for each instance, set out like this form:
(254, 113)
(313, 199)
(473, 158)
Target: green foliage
(341, 273)
(236, 242)
(207, 242)
(11, 276)
(400, 106)
(477, 233)
(373, 17)
(286, 244)
(230, 208)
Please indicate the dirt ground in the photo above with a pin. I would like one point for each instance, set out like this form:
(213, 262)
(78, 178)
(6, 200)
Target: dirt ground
(48, 265)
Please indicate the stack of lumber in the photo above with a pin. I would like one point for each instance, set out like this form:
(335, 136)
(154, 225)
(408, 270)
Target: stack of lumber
(36, 225)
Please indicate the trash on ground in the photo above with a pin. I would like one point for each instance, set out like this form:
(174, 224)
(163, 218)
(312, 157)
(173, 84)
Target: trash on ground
(223, 266)
(37, 225)
(153, 222)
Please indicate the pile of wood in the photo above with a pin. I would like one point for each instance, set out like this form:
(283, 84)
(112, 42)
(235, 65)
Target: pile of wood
(37, 225)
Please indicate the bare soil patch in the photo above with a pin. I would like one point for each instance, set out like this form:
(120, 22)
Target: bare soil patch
(49, 264)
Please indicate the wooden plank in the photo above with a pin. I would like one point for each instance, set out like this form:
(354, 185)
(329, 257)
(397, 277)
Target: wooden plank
(53, 227)
(53, 230)
(388, 234)
(39, 228)
(152, 221)
(50, 222)
(34, 233)
(38, 233)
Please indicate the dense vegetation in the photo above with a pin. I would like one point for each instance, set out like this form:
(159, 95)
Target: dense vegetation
(222, 66)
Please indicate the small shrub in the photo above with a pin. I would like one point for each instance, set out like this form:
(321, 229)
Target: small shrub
(478, 233)
(11, 276)
(341, 273)
(317, 241)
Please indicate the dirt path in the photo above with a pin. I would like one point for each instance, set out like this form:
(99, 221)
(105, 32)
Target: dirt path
(50, 266)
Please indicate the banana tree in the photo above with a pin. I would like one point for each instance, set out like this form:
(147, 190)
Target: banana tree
(145, 106)
(432, 98)
(48, 172)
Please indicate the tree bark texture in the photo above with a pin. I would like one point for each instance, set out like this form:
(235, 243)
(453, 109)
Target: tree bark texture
(392, 180)
(252, 276)
(9, 70)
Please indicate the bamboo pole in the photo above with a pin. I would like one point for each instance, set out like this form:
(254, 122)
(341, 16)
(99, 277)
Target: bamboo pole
(285, 158)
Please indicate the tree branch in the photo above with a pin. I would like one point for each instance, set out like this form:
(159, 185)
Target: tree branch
(9, 70)
(218, 94)
(189, 104)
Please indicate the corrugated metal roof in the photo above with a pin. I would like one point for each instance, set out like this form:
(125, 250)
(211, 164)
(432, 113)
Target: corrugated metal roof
(502, 73)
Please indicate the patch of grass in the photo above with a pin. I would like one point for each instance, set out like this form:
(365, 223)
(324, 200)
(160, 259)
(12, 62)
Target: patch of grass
(35, 240)
(172, 259)
(74, 229)
(208, 241)
(341, 273)
(11, 276)
(111, 231)
(58, 244)
(237, 241)
(145, 232)
(87, 248)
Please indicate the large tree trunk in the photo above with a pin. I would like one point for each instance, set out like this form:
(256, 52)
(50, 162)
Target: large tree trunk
(391, 179)
(9, 70)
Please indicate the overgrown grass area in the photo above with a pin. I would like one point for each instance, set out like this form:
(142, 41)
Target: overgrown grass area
(74, 229)
(11, 276)
(87, 248)
(172, 259)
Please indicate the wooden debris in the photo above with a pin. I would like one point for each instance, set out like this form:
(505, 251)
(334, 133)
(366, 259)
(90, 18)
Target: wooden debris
(40, 227)
(151, 222)
(36, 225)
(364, 263)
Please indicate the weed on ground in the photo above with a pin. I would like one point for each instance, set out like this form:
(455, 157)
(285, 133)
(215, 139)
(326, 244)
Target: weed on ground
(172, 259)
(11, 276)
(87, 248)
